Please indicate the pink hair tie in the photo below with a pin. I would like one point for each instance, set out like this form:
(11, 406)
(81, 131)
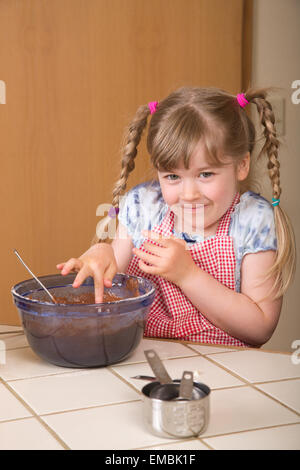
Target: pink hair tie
(242, 100)
(153, 106)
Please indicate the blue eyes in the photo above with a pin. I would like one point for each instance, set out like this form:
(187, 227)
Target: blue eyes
(173, 177)
(207, 174)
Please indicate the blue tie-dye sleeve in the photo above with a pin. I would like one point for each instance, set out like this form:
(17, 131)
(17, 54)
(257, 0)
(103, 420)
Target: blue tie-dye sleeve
(259, 225)
(252, 228)
(129, 214)
(141, 208)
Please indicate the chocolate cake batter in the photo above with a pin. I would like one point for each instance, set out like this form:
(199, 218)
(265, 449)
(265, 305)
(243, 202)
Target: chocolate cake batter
(89, 297)
(86, 298)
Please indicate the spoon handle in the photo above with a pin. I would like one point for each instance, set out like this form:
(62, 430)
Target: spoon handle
(148, 378)
(186, 385)
(23, 262)
(157, 366)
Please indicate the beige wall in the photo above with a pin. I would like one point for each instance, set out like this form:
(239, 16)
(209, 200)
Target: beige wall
(276, 52)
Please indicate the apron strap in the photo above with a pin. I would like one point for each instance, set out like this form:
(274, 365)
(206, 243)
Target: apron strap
(167, 224)
(223, 226)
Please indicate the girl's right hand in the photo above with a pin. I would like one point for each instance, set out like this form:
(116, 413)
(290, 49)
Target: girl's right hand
(99, 262)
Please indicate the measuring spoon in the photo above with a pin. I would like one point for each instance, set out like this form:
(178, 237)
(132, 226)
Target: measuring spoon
(167, 389)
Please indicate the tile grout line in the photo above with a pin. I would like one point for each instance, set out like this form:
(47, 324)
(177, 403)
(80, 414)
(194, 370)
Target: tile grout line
(66, 372)
(175, 441)
(252, 385)
(222, 351)
(246, 383)
(144, 361)
(196, 353)
(234, 374)
(73, 410)
(277, 380)
(31, 377)
(205, 443)
(20, 332)
(186, 343)
(231, 347)
(7, 383)
(120, 377)
(86, 408)
(207, 356)
(210, 436)
(34, 415)
(13, 334)
(276, 400)
(202, 438)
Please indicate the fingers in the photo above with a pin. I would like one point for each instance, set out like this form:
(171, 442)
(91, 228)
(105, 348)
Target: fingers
(98, 282)
(73, 264)
(149, 269)
(81, 276)
(107, 283)
(146, 257)
(102, 271)
(156, 237)
(99, 289)
(153, 249)
(85, 272)
(109, 274)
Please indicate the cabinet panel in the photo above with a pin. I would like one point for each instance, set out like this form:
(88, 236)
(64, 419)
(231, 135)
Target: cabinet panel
(75, 72)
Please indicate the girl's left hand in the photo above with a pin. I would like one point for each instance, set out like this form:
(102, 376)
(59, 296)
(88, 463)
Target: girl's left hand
(171, 260)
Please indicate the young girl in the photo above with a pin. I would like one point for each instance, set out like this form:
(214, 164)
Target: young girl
(223, 284)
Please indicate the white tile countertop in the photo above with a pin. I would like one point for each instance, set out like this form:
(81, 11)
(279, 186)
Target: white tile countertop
(254, 402)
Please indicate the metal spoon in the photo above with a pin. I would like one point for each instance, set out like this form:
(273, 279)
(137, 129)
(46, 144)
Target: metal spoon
(186, 386)
(183, 391)
(157, 367)
(167, 389)
(148, 378)
(42, 285)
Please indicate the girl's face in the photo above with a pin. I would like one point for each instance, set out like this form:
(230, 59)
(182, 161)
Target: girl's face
(211, 188)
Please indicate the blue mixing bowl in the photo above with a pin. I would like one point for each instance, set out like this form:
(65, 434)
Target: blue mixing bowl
(83, 335)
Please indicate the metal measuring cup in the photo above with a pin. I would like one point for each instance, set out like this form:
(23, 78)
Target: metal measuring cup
(174, 408)
(176, 392)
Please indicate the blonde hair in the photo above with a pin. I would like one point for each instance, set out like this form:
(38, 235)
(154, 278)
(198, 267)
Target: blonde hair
(190, 114)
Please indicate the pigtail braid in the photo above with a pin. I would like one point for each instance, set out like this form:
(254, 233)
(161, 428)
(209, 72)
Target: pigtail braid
(131, 139)
(271, 146)
(284, 267)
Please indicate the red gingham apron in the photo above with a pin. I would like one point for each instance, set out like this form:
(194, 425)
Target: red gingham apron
(172, 315)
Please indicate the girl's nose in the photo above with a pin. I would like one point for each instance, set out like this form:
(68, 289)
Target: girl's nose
(190, 192)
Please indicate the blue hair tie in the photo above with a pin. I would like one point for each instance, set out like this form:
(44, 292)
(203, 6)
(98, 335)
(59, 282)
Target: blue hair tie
(275, 201)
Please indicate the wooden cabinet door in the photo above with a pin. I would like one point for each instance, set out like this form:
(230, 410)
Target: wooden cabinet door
(74, 73)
